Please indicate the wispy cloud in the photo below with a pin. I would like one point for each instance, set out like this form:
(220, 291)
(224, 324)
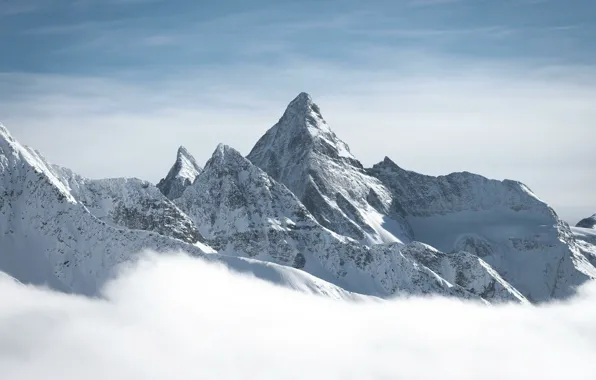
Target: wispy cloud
(425, 3)
(16, 7)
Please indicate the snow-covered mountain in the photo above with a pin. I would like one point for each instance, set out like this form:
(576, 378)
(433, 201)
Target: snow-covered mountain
(502, 222)
(303, 153)
(299, 211)
(49, 237)
(181, 175)
(587, 222)
(69, 233)
(242, 211)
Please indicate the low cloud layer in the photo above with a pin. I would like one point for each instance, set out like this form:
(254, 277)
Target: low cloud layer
(180, 318)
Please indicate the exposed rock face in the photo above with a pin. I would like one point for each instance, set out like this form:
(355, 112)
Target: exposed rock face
(303, 153)
(181, 175)
(502, 222)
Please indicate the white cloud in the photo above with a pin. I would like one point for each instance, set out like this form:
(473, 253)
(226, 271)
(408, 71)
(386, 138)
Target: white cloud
(179, 318)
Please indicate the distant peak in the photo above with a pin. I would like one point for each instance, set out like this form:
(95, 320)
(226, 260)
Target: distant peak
(302, 105)
(225, 153)
(226, 159)
(182, 174)
(221, 149)
(183, 152)
(185, 161)
(303, 98)
(300, 130)
(386, 163)
(589, 222)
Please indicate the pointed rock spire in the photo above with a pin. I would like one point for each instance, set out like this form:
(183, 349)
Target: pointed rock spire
(181, 175)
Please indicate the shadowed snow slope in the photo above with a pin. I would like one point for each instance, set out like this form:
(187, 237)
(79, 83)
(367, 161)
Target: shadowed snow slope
(303, 153)
(242, 211)
(504, 223)
(174, 317)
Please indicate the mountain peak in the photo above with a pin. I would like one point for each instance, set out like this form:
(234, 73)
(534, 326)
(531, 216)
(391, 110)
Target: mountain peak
(298, 133)
(303, 100)
(183, 152)
(589, 222)
(302, 152)
(225, 155)
(181, 175)
(304, 114)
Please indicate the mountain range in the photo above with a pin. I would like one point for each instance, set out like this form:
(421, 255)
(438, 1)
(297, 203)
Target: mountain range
(300, 211)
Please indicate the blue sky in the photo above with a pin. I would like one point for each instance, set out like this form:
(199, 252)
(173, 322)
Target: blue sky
(504, 88)
(98, 37)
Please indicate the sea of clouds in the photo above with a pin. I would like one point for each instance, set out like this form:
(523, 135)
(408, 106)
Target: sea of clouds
(174, 317)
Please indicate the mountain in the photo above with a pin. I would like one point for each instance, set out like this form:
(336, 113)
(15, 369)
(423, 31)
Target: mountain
(49, 237)
(130, 203)
(585, 234)
(587, 222)
(502, 222)
(300, 211)
(180, 176)
(303, 153)
(61, 230)
(242, 211)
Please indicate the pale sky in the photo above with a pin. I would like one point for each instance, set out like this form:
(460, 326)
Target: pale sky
(506, 89)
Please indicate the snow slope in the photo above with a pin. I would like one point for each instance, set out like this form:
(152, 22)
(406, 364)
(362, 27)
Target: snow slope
(504, 223)
(181, 175)
(242, 211)
(303, 153)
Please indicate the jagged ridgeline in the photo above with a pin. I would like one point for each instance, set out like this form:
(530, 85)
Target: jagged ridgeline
(300, 210)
